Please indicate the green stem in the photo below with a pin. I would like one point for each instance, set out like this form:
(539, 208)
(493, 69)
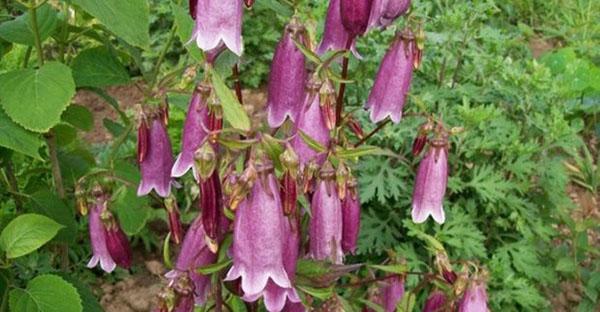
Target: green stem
(12, 183)
(27, 57)
(161, 56)
(56, 174)
(36, 33)
(340, 99)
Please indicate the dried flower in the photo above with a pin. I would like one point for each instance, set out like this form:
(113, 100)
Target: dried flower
(392, 83)
(430, 185)
(218, 21)
(156, 167)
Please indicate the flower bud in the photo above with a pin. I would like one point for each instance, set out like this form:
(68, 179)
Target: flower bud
(142, 140)
(211, 204)
(328, 104)
(117, 242)
(341, 178)
(80, 200)
(174, 219)
(444, 267)
(249, 3)
(205, 160)
(289, 195)
(355, 15)
(355, 127)
(421, 138)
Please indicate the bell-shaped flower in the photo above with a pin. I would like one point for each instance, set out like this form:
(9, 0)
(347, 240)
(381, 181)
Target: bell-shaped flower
(194, 134)
(335, 36)
(392, 292)
(436, 302)
(351, 218)
(312, 123)
(392, 83)
(100, 252)
(219, 21)
(475, 298)
(384, 12)
(157, 164)
(355, 16)
(325, 227)
(287, 78)
(117, 242)
(258, 237)
(430, 185)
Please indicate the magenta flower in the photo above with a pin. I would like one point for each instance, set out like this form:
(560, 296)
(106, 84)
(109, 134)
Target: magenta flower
(156, 167)
(312, 123)
(351, 218)
(475, 298)
(392, 292)
(194, 134)
(100, 252)
(117, 242)
(287, 78)
(355, 16)
(219, 21)
(392, 83)
(326, 223)
(211, 204)
(335, 36)
(258, 244)
(430, 185)
(435, 302)
(384, 12)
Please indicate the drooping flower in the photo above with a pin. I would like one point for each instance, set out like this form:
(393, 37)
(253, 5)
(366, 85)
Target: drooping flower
(219, 21)
(157, 164)
(351, 218)
(311, 123)
(430, 184)
(335, 36)
(392, 292)
(355, 16)
(384, 12)
(117, 242)
(194, 134)
(326, 220)
(100, 252)
(287, 78)
(211, 204)
(435, 302)
(173, 216)
(392, 83)
(475, 298)
(258, 237)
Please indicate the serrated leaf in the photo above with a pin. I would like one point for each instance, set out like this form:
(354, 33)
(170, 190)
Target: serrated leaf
(19, 29)
(46, 293)
(216, 267)
(127, 19)
(133, 211)
(36, 98)
(233, 112)
(14, 137)
(26, 233)
(79, 116)
(98, 67)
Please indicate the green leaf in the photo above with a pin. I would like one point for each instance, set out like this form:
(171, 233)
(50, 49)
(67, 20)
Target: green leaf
(307, 52)
(133, 211)
(233, 112)
(5, 283)
(216, 267)
(35, 99)
(394, 268)
(178, 100)
(127, 19)
(46, 293)
(47, 203)
(320, 293)
(88, 298)
(356, 152)
(273, 149)
(185, 26)
(14, 137)
(312, 143)
(166, 252)
(79, 116)
(566, 264)
(27, 233)
(19, 29)
(98, 67)
(65, 134)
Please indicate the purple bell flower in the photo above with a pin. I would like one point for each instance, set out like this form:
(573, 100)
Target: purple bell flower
(98, 237)
(392, 293)
(194, 134)
(335, 36)
(430, 185)
(117, 242)
(312, 123)
(219, 21)
(392, 83)
(326, 220)
(355, 16)
(435, 302)
(288, 77)
(258, 244)
(384, 12)
(157, 164)
(351, 218)
(475, 298)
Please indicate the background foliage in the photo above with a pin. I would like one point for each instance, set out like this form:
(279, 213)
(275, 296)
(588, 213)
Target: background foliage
(521, 77)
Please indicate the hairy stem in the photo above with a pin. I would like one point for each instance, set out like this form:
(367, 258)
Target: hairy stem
(36, 33)
(340, 99)
(372, 133)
